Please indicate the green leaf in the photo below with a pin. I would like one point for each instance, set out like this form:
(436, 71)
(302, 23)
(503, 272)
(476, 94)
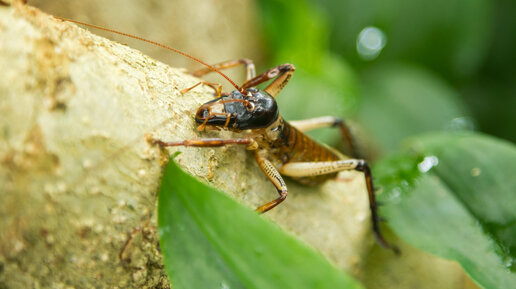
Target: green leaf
(401, 100)
(210, 241)
(463, 208)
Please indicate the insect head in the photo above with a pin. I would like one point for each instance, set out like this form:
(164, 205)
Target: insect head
(249, 109)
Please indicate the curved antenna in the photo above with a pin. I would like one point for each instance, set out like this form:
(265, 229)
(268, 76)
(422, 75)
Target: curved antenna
(154, 43)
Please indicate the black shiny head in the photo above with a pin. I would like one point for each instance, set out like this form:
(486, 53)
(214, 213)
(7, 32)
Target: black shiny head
(248, 110)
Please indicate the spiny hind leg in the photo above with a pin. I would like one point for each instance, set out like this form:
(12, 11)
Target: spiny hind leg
(329, 121)
(275, 178)
(306, 169)
(248, 63)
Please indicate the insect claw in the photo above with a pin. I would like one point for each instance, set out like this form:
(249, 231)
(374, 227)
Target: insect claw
(202, 126)
(150, 139)
(159, 143)
(153, 141)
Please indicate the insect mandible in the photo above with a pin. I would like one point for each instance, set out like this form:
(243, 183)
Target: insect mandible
(280, 148)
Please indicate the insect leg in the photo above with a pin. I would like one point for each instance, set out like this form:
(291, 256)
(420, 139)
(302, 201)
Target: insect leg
(207, 142)
(218, 88)
(248, 63)
(328, 121)
(275, 178)
(281, 73)
(304, 169)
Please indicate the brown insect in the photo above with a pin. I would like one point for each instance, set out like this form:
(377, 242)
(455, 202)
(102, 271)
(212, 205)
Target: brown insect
(279, 147)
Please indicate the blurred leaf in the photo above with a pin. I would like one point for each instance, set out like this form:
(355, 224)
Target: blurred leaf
(463, 208)
(399, 101)
(324, 83)
(492, 101)
(451, 37)
(295, 32)
(491, 93)
(333, 93)
(210, 241)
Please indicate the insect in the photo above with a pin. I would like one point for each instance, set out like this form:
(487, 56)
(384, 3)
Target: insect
(280, 148)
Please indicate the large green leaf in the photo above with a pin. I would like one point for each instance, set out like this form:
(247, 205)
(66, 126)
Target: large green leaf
(454, 196)
(210, 241)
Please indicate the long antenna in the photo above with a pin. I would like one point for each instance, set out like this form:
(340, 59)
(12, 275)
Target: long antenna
(154, 43)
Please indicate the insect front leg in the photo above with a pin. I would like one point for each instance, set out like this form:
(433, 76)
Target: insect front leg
(275, 178)
(208, 142)
(266, 166)
(281, 75)
(328, 121)
(305, 169)
(248, 63)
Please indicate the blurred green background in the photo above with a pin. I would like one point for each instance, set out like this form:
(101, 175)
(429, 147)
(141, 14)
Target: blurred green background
(398, 67)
